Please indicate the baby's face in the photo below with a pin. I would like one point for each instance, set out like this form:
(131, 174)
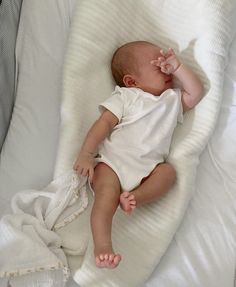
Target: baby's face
(148, 77)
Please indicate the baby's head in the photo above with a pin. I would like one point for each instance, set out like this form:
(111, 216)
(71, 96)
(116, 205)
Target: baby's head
(131, 67)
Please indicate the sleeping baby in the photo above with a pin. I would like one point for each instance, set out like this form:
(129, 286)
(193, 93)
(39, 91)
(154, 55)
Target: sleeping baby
(124, 153)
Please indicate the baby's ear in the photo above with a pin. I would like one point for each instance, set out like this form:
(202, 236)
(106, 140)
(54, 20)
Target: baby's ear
(129, 81)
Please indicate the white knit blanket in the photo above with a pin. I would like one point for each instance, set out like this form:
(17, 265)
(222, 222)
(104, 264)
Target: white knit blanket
(30, 248)
(200, 32)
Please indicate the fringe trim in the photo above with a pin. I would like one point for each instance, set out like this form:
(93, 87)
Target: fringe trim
(25, 271)
(79, 193)
(73, 216)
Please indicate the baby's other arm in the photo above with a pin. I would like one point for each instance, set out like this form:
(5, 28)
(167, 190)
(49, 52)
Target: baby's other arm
(84, 164)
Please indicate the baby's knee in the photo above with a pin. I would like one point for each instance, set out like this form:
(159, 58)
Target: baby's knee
(167, 170)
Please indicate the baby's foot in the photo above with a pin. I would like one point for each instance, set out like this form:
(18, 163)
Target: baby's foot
(106, 258)
(127, 202)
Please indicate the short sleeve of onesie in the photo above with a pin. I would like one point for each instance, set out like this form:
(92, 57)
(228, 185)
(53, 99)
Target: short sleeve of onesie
(115, 103)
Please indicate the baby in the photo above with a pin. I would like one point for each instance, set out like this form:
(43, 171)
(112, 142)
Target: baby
(125, 150)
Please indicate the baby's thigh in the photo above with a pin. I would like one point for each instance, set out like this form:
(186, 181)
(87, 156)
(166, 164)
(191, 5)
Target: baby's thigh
(105, 178)
(162, 169)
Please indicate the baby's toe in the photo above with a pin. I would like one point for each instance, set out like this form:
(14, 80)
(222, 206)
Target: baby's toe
(131, 197)
(117, 259)
(125, 194)
(111, 257)
(99, 260)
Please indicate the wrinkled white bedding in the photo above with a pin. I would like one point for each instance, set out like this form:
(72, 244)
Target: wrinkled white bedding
(195, 257)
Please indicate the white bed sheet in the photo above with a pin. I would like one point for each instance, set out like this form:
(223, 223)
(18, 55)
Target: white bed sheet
(203, 251)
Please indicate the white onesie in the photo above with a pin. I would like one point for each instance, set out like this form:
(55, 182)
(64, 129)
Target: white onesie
(142, 137)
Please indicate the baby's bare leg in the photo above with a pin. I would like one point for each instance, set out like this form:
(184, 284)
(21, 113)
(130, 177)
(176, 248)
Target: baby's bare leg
(151, 189)
(106, 188)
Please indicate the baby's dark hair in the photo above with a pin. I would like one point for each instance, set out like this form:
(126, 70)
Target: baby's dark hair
(123, 61)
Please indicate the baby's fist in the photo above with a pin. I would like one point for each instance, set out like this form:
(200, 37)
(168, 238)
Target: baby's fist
(168, 62)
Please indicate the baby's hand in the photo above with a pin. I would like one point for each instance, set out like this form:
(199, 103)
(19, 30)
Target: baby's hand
(168, 62)
(84, 164)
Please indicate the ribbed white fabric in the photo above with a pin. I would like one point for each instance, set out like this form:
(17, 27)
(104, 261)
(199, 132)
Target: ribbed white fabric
(200, 32)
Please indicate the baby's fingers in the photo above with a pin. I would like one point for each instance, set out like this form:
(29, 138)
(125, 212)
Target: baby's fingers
(154, 62)
(166, 69)
(158, 62)
(162, 52)
(91, 173)
(84, 171)
(170, 52)
(169, 69)
(77, 169)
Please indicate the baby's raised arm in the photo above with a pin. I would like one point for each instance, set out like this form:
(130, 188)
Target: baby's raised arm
(84, 164)
(192, 88)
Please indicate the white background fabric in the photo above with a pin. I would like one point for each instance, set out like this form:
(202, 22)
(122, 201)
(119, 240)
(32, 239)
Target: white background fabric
(203, 250)
(28, 156)
(9, 18)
